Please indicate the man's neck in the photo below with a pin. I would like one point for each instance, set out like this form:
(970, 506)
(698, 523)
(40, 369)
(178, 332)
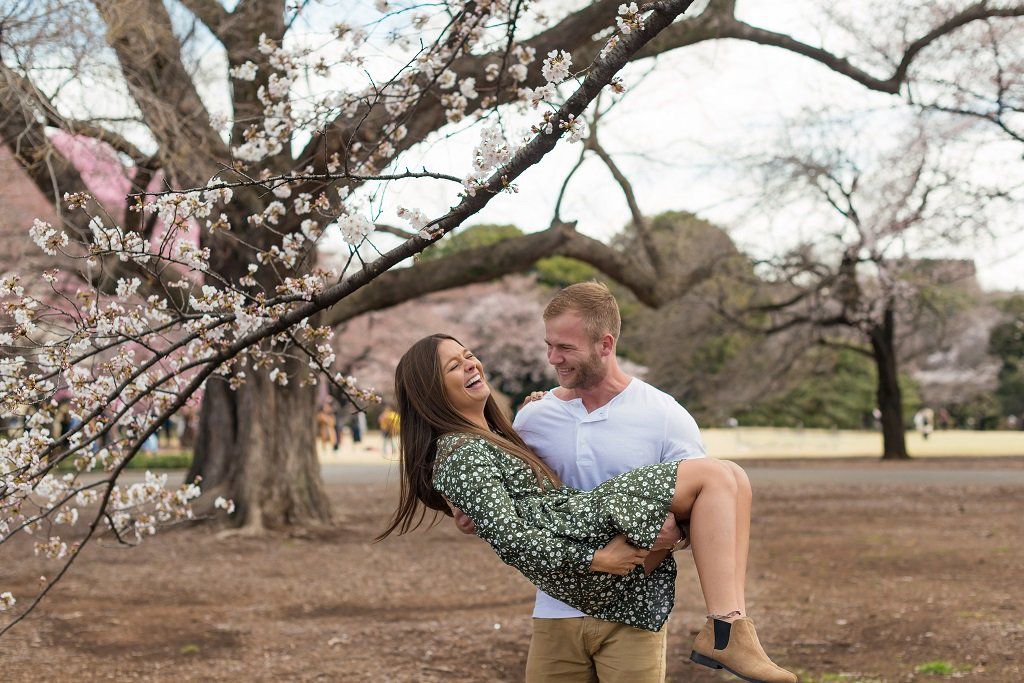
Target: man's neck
(601, 393)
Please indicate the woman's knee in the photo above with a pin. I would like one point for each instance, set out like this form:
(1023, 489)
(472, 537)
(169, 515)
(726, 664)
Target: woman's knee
(740, 476)
(718, 476)
(702, 474)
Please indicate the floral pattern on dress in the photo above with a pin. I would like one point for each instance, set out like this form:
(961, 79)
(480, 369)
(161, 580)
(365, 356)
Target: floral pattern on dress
(551, 535)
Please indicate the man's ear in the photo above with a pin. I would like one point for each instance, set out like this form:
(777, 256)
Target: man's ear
(607, 342)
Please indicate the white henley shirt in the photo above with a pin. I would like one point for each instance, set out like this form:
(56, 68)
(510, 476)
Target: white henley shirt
(640, 426)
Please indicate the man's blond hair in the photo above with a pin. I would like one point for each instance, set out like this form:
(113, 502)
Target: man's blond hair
(591, 301)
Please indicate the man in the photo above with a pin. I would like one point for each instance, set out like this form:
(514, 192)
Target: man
(598, 423)
(924, 422)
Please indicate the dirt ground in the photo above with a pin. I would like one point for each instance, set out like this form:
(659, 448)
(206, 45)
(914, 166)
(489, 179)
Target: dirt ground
(848, 582)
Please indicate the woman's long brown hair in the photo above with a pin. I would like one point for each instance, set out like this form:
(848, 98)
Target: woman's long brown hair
(425, 414)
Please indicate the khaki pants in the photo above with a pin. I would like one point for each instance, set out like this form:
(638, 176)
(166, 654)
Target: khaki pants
(588, 650)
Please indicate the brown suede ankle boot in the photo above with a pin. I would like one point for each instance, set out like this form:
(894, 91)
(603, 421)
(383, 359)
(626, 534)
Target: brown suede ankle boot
(735, 648)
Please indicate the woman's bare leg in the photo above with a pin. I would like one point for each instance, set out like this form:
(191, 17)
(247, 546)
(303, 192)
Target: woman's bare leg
(706, 493)
(744, 499)
(715, 495)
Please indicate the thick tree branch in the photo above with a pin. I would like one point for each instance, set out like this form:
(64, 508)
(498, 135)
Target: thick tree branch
(513, 255)
(844, 346)
(250, 19)
(479, 264)
(211, 13)
(978, 12)
(642, 281)
(142, 37)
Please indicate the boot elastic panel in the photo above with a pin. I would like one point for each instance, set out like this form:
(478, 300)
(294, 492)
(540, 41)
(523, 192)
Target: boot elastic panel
(723, 629)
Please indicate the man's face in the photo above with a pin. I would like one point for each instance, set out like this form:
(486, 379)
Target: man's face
(575, 356)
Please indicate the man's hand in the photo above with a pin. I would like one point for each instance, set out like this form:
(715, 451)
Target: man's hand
(618, 557)
(533, 396)
(462, 521)
(669, 535)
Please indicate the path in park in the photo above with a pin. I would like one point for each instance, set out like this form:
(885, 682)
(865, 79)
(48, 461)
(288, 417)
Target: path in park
(790, 456)
(792, 472)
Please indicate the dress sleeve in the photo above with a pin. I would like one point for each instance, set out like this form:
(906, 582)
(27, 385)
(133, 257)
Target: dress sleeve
(469, 479)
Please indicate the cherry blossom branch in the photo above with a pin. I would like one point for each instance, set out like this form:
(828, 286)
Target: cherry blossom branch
(269, 182)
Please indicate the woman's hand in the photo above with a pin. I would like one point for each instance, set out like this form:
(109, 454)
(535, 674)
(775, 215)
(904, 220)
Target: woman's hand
(462, 521)
(618, 557)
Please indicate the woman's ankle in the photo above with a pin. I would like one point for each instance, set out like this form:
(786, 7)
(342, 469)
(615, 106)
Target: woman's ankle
(728, 616)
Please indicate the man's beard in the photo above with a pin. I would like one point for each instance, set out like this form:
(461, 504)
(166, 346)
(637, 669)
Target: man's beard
(588, 374)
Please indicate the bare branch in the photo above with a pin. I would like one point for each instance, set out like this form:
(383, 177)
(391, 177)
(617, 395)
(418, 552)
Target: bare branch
(640, 223)
(727, 26)
(23, 131)
(211, 13)
(393, 230)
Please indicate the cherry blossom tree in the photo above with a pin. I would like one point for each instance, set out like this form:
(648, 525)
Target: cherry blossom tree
(881, 206)
(237, 312)
(207, 275)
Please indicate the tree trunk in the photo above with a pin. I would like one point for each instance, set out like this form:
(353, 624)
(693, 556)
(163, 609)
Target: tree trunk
(256, 446)
(890, 398)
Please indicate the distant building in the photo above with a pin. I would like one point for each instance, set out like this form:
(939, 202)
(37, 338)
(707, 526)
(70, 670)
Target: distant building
(946, 272)
(953, 365)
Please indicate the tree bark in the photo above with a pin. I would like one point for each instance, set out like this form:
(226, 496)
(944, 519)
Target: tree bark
(890, 398)
(256, 445)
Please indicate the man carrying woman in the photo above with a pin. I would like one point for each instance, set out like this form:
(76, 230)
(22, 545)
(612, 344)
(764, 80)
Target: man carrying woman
(597, 548)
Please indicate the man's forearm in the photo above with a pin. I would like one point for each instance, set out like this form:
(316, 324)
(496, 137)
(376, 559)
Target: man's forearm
(654, 559)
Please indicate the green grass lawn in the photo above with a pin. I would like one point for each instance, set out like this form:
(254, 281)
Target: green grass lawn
(162, 460)
(767, 442)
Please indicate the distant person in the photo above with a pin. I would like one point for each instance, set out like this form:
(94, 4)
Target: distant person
(339, 423)
(167, 431)
(324, 426)
(357, 425)
(924, 422)
(151, 444)
(361, 423)
(63, 418)
(389, 425)
(187, 426)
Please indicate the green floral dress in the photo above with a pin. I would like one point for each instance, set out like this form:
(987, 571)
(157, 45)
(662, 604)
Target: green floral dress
(551, 535)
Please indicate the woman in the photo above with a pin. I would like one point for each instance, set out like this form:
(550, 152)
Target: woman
(458, 448)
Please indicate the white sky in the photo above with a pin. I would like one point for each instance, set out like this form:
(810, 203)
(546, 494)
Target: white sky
(674, 133)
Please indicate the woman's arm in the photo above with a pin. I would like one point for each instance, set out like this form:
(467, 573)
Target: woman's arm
(618, 557)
